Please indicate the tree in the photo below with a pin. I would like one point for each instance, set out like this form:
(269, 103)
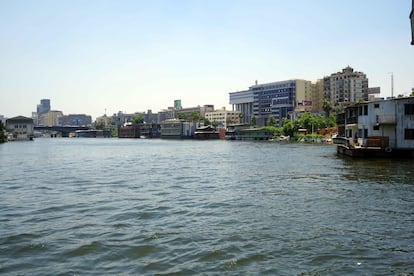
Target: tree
(288, 128)
(181, 116)
(138, 119)
(253, 119)
(3, 137)
(412, 92)
(195, 116)
(327, 107)
(271, 121)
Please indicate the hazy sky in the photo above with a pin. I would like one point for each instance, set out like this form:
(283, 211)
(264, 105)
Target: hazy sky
(90, 55)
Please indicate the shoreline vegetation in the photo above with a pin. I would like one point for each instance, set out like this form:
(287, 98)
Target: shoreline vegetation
(3, 136)
(306, 128)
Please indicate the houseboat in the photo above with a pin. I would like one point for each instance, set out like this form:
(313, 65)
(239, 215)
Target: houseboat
(383, 128)
(246, 132)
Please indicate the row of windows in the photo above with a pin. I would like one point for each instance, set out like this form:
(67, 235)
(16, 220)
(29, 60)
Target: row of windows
(20, 126)
(363, 133)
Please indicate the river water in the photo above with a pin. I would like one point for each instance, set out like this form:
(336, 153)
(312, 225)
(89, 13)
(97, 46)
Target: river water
(145, 207)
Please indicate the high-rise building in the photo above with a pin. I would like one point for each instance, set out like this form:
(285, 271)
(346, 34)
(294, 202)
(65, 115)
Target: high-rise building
(346, 86)
(43, 107)
(242, 101)
(277, 99)
(177, 104)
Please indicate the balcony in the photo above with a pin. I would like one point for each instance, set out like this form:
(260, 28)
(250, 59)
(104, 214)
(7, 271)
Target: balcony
(351, 120)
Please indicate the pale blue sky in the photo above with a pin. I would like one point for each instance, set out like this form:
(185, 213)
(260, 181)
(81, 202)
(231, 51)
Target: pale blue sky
(88, 56)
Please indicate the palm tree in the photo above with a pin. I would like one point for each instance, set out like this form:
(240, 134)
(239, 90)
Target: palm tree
(327, 107)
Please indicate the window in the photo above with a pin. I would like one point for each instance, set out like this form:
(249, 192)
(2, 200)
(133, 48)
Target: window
(376, 105)
(376, 127)
(365, 109)
(409, 134)
(409, 109)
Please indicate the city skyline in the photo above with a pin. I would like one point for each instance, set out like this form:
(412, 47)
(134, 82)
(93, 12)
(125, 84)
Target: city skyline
(130, 56)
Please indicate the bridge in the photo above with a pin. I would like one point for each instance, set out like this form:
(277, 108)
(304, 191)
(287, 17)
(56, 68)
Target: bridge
(64, 130)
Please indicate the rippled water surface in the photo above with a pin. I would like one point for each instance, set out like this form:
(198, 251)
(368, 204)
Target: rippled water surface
(114, 206)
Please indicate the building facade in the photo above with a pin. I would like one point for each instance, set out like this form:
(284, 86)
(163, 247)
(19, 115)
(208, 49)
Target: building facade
(390, 122)
(200, 110)
(223, 117)
(317, 96)
(277, 99)
(50, 118)
(346, 86)
(75, 120)
(43, 107)
(177, 129)
(242, 101)
(20, 128)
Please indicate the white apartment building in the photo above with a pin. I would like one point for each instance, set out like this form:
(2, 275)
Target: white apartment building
(224, 117)
(346, 86)
(392, 119)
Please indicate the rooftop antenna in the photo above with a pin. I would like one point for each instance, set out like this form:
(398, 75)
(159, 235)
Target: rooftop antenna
(392, 85)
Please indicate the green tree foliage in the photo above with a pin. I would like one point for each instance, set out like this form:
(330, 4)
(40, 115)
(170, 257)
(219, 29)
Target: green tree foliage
(308, 121)
(327, 107)
(288, 127)
(253, 123)
(271, 121)
(3, 137)
(138, 119)
(181, 116)
(277, 131)
(195, 116)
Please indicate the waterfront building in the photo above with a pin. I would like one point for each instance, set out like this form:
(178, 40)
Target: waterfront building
(50, 118)
(144, 130)
(167, 114)
(223, 117)
(384, 127)
(75, 120)
(178, 129)
(245, 132)
(121, 118)
(207, 133)
(346, 86)
(20, 128)
(242, 101)
(278, 99)
(150, 117)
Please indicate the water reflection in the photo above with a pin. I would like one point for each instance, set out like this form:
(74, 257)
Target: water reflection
(379, 170)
